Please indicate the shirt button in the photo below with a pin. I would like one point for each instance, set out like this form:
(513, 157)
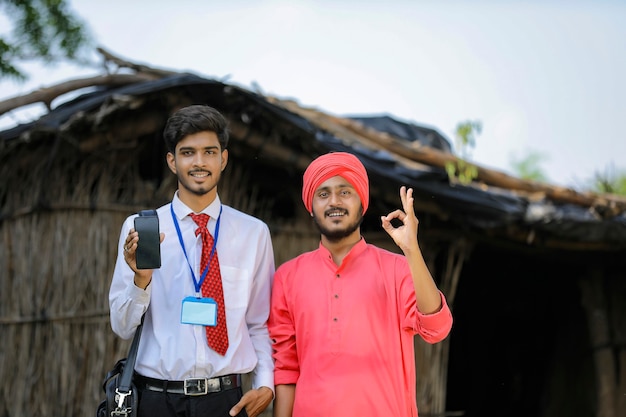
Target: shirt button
(336, 295)
(338, 276)
(335, 319)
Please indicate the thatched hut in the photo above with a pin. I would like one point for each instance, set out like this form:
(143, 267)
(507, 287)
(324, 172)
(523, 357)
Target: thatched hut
(534, 272)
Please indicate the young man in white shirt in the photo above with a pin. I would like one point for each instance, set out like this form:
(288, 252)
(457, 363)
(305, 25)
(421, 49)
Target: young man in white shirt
(177, 371)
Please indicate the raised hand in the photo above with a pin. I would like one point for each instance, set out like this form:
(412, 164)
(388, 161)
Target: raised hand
(405, 235)
(142, 276)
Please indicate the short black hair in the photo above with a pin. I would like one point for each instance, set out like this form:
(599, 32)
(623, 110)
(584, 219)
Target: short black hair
(194, 119)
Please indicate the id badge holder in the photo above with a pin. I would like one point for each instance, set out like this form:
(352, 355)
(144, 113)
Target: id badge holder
(197, 310)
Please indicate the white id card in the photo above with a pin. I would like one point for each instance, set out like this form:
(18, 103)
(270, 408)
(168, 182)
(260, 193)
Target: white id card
(199, 311)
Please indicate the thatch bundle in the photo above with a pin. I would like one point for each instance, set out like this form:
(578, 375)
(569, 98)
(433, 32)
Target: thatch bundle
(61, 212)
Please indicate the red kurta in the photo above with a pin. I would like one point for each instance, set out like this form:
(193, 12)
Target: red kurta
(344, 335)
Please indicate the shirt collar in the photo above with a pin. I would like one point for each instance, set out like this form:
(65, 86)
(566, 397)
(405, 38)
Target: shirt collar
(181, 210)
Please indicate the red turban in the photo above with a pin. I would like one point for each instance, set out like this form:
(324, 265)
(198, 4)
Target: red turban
(329, 165)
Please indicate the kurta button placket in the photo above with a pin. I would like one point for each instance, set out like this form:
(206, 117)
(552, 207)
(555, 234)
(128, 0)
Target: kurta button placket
(335, 311)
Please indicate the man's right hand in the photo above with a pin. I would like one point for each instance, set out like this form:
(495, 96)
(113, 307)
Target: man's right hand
(142, 276)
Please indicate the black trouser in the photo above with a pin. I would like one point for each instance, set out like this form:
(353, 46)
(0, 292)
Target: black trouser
(164, 404)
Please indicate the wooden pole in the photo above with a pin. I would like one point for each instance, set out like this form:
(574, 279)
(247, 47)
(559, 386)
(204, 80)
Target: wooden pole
(594, 301)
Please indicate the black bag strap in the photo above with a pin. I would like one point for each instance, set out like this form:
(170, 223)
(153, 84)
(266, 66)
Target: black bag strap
(126, 378)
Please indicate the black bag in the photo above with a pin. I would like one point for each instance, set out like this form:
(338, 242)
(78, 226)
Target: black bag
(120, 392)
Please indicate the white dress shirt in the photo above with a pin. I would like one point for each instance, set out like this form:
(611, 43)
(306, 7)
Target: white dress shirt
(174, 351)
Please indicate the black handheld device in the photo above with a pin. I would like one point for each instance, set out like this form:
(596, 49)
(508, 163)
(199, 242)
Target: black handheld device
(148, 252)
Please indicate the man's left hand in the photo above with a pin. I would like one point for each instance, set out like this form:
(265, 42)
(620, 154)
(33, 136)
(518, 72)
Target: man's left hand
(405, 235)
(254, 401)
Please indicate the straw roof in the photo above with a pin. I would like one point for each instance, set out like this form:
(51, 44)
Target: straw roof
(277, 132)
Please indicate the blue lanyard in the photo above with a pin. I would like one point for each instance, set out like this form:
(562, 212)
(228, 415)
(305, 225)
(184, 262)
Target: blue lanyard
(197, 285)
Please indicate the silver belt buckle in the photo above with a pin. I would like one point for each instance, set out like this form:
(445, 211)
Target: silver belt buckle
(196, 386)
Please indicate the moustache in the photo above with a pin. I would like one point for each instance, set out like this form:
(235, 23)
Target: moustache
(200, 171)
(336, 210)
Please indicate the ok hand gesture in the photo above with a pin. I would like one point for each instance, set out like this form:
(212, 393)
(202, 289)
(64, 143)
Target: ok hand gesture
(405, 235)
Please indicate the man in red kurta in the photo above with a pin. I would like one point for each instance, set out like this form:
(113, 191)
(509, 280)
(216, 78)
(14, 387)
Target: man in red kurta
(343, 317)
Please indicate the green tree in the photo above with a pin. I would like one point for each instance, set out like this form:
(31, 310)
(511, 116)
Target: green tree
(610, 181)
(465, 134)
(44, 30)
(528, 167)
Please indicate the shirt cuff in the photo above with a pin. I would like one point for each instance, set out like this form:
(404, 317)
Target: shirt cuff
(263, 379)
(286, 377)
(139, 294)
(439, 317)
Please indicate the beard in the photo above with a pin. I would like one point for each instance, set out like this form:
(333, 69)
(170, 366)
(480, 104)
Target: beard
(336, 235)
(199, 190)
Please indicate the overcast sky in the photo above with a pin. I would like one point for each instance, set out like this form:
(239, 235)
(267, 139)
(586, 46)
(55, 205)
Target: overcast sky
(546, 77)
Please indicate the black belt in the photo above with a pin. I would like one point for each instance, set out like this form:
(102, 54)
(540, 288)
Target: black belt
(190, 386)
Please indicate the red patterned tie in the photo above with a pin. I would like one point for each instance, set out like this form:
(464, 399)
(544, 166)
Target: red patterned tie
(217, 336)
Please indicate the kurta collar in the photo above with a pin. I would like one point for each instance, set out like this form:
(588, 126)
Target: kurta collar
(356, 250)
